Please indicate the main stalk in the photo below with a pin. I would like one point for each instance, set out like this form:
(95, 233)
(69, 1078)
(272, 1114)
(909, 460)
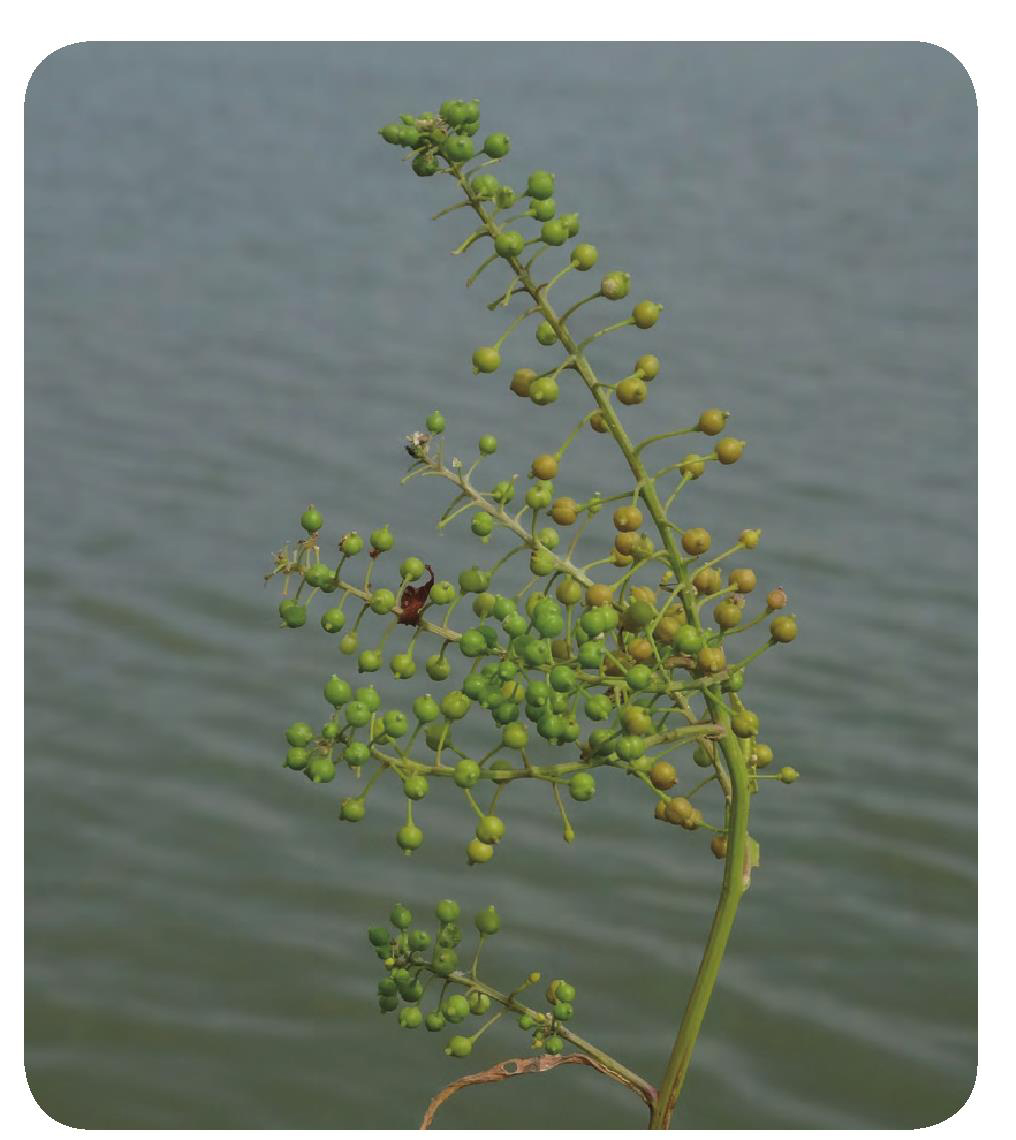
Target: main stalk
(732, 887)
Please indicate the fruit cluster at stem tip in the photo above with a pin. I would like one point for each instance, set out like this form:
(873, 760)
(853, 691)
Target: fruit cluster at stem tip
(626, 662)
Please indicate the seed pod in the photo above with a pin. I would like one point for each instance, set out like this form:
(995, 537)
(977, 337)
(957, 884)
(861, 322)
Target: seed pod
(692, 466)
(632, 390)
(711, 421)
(729, 450)
(744, 581)
(522, 382)
(783, 629)
(679, 809)
(544, 467)
(776, 599)
(663, 775)
(707, 581)
(696, 540)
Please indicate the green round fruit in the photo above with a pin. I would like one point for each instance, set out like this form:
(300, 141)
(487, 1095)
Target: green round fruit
(545, 330)
(410, 1017)
(648, 365)
(486, 358)
(632, 391)
(744, 724)
(479, 1003)
(295, 615)
(425, 165)
(382, 601)
(484, 186)
(473, 581)
(614, 286)
(320, 768)
(412, 568)
(415, 787)
(357, 713)
(333, 620)
(426, 709)
(582, 786)
(318, 575)
(356, 753)
(585, 256)
(419, 940)
(514, 736)
(488, 921)
(459, 1046)
(457, 148)
(783, 629)
(299, 734)
(382, 539)
(490, 829)
(409, 837)
(297, 758)
(543, 210)
(646, 314)
(444, 962)
(472, 643)
(337, 691)
(466, 773)
(544, 390)
(509, 243)
(455, 704)
(447, 910)
(497, 145)
(554, 232)
(631, 748)
(689, 640)
(479, 852)
(352, 810)
(639, 677)
(311, 520)
(540, 185)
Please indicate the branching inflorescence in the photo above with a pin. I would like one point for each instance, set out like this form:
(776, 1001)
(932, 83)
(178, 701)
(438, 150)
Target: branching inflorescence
(609, 666)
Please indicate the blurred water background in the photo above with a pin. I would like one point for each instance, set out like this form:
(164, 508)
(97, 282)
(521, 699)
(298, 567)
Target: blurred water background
(237, 305)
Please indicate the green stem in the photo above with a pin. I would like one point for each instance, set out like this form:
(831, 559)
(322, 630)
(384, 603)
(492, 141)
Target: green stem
(723, 920)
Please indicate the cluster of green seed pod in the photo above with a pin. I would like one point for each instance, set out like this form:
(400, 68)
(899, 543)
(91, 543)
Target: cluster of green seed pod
(628, 660)
(447, 135)
(417, 961)
(605, 670)
(441, 142)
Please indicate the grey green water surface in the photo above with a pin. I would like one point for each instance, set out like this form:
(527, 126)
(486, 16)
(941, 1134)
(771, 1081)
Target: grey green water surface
(236, 305)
